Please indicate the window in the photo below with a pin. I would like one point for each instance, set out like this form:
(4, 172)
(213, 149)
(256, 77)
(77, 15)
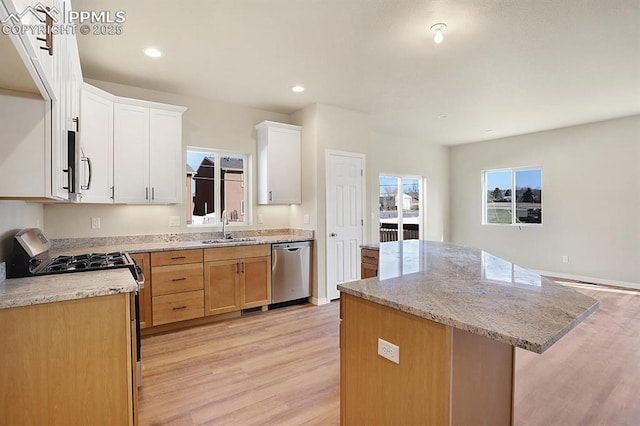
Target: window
(215, 182)
(512, 196)
(400, 207)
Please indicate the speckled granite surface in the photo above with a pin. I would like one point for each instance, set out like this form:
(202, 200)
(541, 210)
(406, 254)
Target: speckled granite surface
(56, 288)
(472, 290)
(166, 242)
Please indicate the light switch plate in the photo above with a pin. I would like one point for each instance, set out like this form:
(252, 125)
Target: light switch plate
(3, 271)
(305, 218)
(95, 223)
(174, 220)
(260, 218)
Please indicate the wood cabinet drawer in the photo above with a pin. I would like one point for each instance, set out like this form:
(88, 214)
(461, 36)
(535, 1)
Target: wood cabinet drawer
(178, 307)
(176, 257)
(177, 278)
(370, 256)
(238, 252)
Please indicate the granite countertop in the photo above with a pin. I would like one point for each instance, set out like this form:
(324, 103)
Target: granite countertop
(142, 247)
(27, 291)
(472, 290)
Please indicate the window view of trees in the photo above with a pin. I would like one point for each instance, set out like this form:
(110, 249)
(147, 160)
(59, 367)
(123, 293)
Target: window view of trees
(503, 207)
(215, 181)
(399, 208)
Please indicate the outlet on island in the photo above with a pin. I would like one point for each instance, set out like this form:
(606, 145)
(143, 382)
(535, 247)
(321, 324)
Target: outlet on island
(389, 351)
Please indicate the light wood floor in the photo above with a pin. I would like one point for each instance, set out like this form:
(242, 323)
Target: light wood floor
(282, 368)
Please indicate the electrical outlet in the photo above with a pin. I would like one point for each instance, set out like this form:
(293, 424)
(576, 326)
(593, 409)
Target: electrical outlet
(565, 259)
(305, 219)
(389, 351)
(260, 218)
(174, 220)
(3, 271)
(95, 223)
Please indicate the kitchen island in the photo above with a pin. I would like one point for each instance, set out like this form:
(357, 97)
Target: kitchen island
(456, 315)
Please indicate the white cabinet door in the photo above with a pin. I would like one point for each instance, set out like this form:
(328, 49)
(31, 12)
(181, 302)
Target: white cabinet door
(165, 156)
(278, 163)
(96, 137)
(131, 154)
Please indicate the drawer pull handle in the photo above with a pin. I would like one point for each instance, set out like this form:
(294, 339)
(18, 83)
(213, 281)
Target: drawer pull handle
(368, 257)
(177, 308)
(178, 279)
(178, 257)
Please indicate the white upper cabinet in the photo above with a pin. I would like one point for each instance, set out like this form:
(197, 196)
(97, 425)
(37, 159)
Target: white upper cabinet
(55, 72)
(165, 156)
(147, 152)
(96, 149)
(278, 163)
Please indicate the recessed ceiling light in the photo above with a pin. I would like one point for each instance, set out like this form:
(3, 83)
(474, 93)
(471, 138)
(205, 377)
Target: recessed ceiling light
(443, 116)
(297, 88)
(152, 52)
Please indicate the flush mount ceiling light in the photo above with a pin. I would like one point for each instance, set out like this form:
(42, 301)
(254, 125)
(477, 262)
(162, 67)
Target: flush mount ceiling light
(438, 28)
(297, 88)
(152, 52)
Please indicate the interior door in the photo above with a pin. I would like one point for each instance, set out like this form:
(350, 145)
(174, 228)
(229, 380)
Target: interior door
(344, 218)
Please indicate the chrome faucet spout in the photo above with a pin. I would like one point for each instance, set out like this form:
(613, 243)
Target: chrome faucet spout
(225, 221)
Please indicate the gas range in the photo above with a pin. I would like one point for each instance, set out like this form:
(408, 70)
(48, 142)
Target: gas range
(84, 262)
(31, 257)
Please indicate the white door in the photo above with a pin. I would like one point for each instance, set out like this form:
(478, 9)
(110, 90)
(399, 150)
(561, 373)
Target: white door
(345, 182)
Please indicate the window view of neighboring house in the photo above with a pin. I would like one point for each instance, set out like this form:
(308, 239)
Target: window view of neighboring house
(512, 196)
(400, 208)
(216, 182)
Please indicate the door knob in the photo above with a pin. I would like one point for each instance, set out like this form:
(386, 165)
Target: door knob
(333, 234)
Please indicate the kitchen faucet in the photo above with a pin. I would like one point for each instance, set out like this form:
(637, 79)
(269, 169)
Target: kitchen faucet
(225, 221)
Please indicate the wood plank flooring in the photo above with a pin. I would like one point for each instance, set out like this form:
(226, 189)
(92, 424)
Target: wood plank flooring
(282, 368)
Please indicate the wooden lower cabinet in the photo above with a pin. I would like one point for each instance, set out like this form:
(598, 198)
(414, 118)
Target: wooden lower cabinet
(178, 293)
(222, 287)
(369, 263)
(68, 363)
(178, 307)
(232, 282)
(146, 315)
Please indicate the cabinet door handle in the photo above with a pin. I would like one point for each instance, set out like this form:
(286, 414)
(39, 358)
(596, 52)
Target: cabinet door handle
(177, 308)
(179, 279)
(270, 195)
(88, 185)
(153, 193)
(146, 193)
(237, 267)
(113, 195)
(243, 267)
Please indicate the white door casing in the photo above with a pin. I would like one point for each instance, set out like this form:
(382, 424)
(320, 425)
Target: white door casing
(344, 218)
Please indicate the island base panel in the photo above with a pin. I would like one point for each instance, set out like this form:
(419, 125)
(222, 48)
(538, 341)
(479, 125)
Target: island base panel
(445, 376)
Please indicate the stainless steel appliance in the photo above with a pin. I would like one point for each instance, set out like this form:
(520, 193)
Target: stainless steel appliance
(290, 272)
(31, 257)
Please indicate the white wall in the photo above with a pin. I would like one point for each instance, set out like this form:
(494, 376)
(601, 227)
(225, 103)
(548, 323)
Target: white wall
(591, 200)
(206, 123)
(327, 127)
(392, 154)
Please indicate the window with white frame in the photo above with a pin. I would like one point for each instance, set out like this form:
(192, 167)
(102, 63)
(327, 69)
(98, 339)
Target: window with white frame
(512, 196)
(216, 181)
(401, 213)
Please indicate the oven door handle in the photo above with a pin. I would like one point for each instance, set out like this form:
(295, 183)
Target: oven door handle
(141, 280)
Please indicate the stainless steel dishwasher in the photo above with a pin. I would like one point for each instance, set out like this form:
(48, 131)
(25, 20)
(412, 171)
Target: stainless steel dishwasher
(290, 273)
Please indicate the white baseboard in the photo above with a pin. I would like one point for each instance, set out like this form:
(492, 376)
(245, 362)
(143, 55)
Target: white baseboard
(602, 281)
(318, 302)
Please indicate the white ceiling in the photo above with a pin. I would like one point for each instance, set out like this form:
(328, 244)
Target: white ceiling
(512, 66)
